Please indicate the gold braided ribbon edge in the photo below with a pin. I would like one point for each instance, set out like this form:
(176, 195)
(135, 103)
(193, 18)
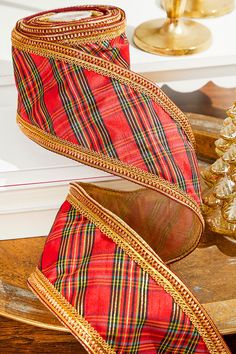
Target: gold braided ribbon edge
(108, 27)
(111, 165)
(106, 68)
(140, 252)
(67, 314)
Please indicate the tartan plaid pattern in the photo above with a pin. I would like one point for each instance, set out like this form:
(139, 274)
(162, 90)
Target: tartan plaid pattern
(104, 115)
(118, 298)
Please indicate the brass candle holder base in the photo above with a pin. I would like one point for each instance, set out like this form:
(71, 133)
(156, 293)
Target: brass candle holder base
(172, 37)
(208, 8)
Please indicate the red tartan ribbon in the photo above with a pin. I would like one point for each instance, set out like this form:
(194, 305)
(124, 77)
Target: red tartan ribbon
(102, 271)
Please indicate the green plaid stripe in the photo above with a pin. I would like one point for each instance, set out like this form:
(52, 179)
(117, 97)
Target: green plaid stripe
(40, 89)
(62, 261)
(67, 261)
(163, 142)
(93, 111)
(67, 106)
(92, 138)
(140, 312)
(115, 295)
(140, 135)
(124, 329)
(80, 282)
(187, 339)
(23, 99)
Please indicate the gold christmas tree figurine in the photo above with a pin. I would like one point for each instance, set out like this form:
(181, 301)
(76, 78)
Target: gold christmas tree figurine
(219, 200)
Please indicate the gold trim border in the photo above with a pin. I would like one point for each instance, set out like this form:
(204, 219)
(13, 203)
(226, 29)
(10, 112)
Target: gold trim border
(138, 250)
(67, 314)
(75, 56)
(108, 164)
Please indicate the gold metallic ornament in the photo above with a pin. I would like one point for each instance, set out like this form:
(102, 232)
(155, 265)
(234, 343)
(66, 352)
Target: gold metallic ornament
(228, 132)
(219, 200)
(229, 210)
(220, 167)
(232, 112)
(173, 36)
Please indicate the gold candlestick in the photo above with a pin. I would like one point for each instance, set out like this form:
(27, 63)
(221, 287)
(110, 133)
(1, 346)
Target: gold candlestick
(173, 36)
(208, 8)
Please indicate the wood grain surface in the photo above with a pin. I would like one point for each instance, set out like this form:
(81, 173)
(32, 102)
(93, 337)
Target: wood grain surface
(16, 337)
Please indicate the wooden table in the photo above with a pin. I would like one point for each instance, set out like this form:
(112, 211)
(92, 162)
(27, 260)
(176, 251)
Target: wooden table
(209, 271)
(21, 338)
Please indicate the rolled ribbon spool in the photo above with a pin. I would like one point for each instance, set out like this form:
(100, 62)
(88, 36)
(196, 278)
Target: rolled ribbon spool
(101, 271)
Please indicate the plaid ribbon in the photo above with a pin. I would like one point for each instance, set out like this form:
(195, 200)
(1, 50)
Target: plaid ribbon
(76, 90)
